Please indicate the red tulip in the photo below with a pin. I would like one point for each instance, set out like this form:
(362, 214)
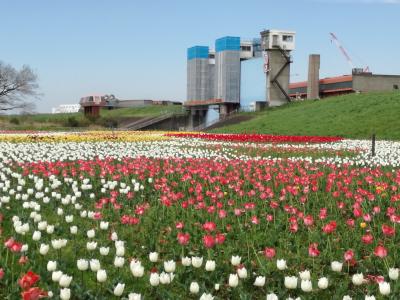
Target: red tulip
(28, 280)
(269, 253)
(308, 220)
(209, 226)
(349, 255)
(387, 230)
(330, 227)
(179, 225)
(208, 241)
(33, 293)
(380, 251)
(219, 238)
(183, 238)
(367, 238)
(313, 250)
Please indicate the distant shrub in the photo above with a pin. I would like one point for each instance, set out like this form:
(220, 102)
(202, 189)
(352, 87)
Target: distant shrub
(15, 121)
(108, 122)
(72, 122)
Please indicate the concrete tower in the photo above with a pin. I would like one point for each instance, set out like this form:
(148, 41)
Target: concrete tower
(227, 73)
(198, 79)
(313, 76)
(278, 44)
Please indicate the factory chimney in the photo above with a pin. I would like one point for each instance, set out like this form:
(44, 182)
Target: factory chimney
(313, 76)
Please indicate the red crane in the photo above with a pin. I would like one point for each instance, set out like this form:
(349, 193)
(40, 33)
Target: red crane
(344, 52)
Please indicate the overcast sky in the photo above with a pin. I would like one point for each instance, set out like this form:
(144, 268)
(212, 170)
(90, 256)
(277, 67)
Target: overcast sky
(137, 49)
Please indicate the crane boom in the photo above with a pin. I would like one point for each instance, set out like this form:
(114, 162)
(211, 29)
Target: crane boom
(344, 52)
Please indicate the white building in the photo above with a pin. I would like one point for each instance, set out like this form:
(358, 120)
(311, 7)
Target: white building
(66, 108)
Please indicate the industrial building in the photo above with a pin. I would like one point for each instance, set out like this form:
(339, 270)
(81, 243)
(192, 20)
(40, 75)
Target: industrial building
(92, 104)
(66, 108)
(358, 82)
(222, 80)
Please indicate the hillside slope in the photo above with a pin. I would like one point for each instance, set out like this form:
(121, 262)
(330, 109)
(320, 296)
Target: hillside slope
(351, 116)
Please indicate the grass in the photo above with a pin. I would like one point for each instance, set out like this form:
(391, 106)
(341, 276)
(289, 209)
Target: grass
(350, 116)
(63, 121)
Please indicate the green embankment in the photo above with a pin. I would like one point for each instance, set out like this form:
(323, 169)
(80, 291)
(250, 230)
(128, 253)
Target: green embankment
(69, 121)
(351, 116)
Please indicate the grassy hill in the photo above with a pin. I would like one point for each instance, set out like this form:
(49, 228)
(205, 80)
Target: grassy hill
(352, 116)
(68, 121)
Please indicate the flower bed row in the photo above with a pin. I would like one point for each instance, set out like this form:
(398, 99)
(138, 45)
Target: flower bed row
(258, 138)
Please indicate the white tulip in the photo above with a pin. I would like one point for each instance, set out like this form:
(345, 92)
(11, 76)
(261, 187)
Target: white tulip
(336, 266)
(186, 261)
(56, 275)
(153, 257)
(235, 260)
(44, 249)
(65, 280)
(119, 261)
(242, 272)
(154, 279)
(90, 233)
(393, 273)
(120, 251)
(50, 229)
(291, 282)
(194, 288)
(305, 275)
(94, 265)
(101, 275)
(323, 283)
(65, 294)
(42, 225)
(103, 225)
(36, 235)
(306, 286)
(358, 279)
(104, 250)
(233, 280)
(210, 265)
(166, 278)
(134, 296)
(281, 264)
(260, 281)
(91, 246)
(51, 265)
(197, 261)
(169, 266)
(384, 288)
(272, 296)
(119, 289)
(206, 296)
(82, 264)
(114, 236)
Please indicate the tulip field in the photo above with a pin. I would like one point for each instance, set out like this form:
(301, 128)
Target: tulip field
(170, 215)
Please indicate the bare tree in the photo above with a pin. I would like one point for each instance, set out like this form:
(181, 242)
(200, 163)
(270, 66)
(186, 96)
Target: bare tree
(16, 86)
